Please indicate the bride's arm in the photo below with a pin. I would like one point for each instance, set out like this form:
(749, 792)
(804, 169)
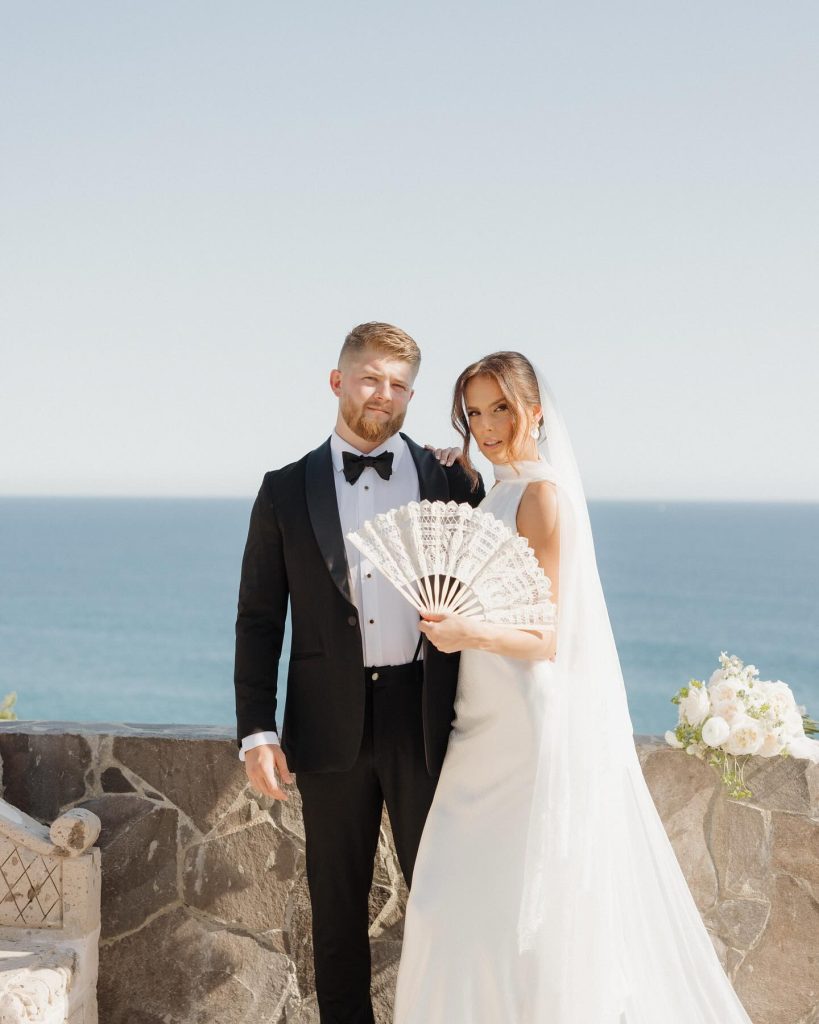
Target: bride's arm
(537, 521)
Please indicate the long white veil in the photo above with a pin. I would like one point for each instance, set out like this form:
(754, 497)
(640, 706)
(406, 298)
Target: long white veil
(608, 929)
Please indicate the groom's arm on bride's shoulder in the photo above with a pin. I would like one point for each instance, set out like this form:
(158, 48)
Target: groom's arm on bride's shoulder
(461, 487)
(537, 521)
(262, 611)
(446, 456)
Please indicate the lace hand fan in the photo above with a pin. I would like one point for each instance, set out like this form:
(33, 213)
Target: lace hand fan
(446, 558)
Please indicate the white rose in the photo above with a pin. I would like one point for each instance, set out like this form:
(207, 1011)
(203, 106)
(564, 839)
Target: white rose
(793, 723)
(745, 737)
(672, 741)
(697, 705)
(773, 743)
(715, 731)
(779, 696)
(730, 710)
(724, 691)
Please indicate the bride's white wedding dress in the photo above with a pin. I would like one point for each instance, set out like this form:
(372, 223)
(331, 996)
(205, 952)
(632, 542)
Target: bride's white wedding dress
(543, 895)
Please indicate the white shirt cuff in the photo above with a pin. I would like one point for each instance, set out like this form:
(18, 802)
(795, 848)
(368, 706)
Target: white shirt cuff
(258, 739)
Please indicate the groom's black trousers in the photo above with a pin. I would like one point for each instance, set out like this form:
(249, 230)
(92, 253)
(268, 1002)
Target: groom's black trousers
(342, 818)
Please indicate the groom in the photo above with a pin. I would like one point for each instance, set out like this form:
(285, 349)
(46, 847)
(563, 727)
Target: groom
(365, 721)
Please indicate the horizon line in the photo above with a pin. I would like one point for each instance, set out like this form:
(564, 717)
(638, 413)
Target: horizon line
(251, 497)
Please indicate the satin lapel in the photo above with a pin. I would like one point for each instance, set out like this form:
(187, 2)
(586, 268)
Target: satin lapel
(323, 510)
(432, 479)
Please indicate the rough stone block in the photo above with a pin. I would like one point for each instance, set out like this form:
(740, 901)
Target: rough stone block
(201, 778)
(244, 878)
(796, 851)
(139, 860)
(208, 974)
(740, 842)
(43, 773)
(682, 797)
(779, 979)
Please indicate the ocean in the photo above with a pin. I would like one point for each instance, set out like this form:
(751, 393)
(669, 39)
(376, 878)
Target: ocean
(122, 610)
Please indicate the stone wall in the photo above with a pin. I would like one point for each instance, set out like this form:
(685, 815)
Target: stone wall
(205, 913)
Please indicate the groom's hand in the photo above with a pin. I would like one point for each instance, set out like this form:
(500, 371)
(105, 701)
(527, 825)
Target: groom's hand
(265, 766)
(446, 456)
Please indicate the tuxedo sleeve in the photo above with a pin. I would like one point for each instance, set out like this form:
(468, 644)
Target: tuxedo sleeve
(460, 486)
(263, 596)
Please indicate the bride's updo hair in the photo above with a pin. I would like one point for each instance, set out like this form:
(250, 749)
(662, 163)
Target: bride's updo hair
(516, 378)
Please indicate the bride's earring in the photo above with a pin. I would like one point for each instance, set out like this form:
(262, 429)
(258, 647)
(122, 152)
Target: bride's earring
(535, 432)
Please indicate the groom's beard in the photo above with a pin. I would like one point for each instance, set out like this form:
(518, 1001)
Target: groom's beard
(375, 431)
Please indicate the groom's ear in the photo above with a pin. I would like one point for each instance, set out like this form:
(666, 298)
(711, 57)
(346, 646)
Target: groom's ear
(335, 382)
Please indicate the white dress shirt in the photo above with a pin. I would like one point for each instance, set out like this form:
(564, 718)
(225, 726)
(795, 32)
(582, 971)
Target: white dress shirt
(389, 623)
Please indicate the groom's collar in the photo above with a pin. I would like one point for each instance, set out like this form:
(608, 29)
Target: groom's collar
(395, 444)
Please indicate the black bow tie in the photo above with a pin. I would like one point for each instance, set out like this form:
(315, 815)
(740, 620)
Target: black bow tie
(354, 465)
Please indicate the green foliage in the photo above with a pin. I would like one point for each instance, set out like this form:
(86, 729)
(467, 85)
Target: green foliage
(7, 711)
(732, 770)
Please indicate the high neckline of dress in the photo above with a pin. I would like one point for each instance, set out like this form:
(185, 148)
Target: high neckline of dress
(524, 471)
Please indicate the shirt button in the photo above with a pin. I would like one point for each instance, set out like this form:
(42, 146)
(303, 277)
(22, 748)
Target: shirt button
(366, 487)
(374, 676)
(372, 622)
(352, 621)
(369, 575)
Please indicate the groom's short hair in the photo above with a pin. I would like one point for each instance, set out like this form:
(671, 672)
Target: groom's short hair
(384, 339)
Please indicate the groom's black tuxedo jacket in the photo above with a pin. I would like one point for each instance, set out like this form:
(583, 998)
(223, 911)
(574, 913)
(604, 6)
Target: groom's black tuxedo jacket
(295, 550)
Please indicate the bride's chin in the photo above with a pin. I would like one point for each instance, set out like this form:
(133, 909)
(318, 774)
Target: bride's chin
(497, 456)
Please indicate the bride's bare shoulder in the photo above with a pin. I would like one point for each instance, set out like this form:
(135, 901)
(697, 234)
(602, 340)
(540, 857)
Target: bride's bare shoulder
(538, 511)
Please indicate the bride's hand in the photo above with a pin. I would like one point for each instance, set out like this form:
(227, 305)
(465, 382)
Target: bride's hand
(446, 456)
(449, 633)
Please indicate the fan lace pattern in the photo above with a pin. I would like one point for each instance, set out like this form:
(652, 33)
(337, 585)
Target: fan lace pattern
(446, 557)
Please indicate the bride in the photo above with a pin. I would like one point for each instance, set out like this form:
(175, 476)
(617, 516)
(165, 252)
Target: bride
(546, 890)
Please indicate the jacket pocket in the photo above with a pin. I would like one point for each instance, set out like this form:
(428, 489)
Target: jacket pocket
(304, 655)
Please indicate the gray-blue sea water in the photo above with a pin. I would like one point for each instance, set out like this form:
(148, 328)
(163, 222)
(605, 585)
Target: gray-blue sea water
(123, 609)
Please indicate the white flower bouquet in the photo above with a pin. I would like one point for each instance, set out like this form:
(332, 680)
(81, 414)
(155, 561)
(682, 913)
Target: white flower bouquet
(737, 714)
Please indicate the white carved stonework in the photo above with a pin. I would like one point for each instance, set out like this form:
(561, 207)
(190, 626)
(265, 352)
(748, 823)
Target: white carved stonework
(30, 888)
(34, 987)
(49, 918)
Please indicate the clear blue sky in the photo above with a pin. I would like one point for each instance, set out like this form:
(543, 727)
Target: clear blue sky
(198, 199)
